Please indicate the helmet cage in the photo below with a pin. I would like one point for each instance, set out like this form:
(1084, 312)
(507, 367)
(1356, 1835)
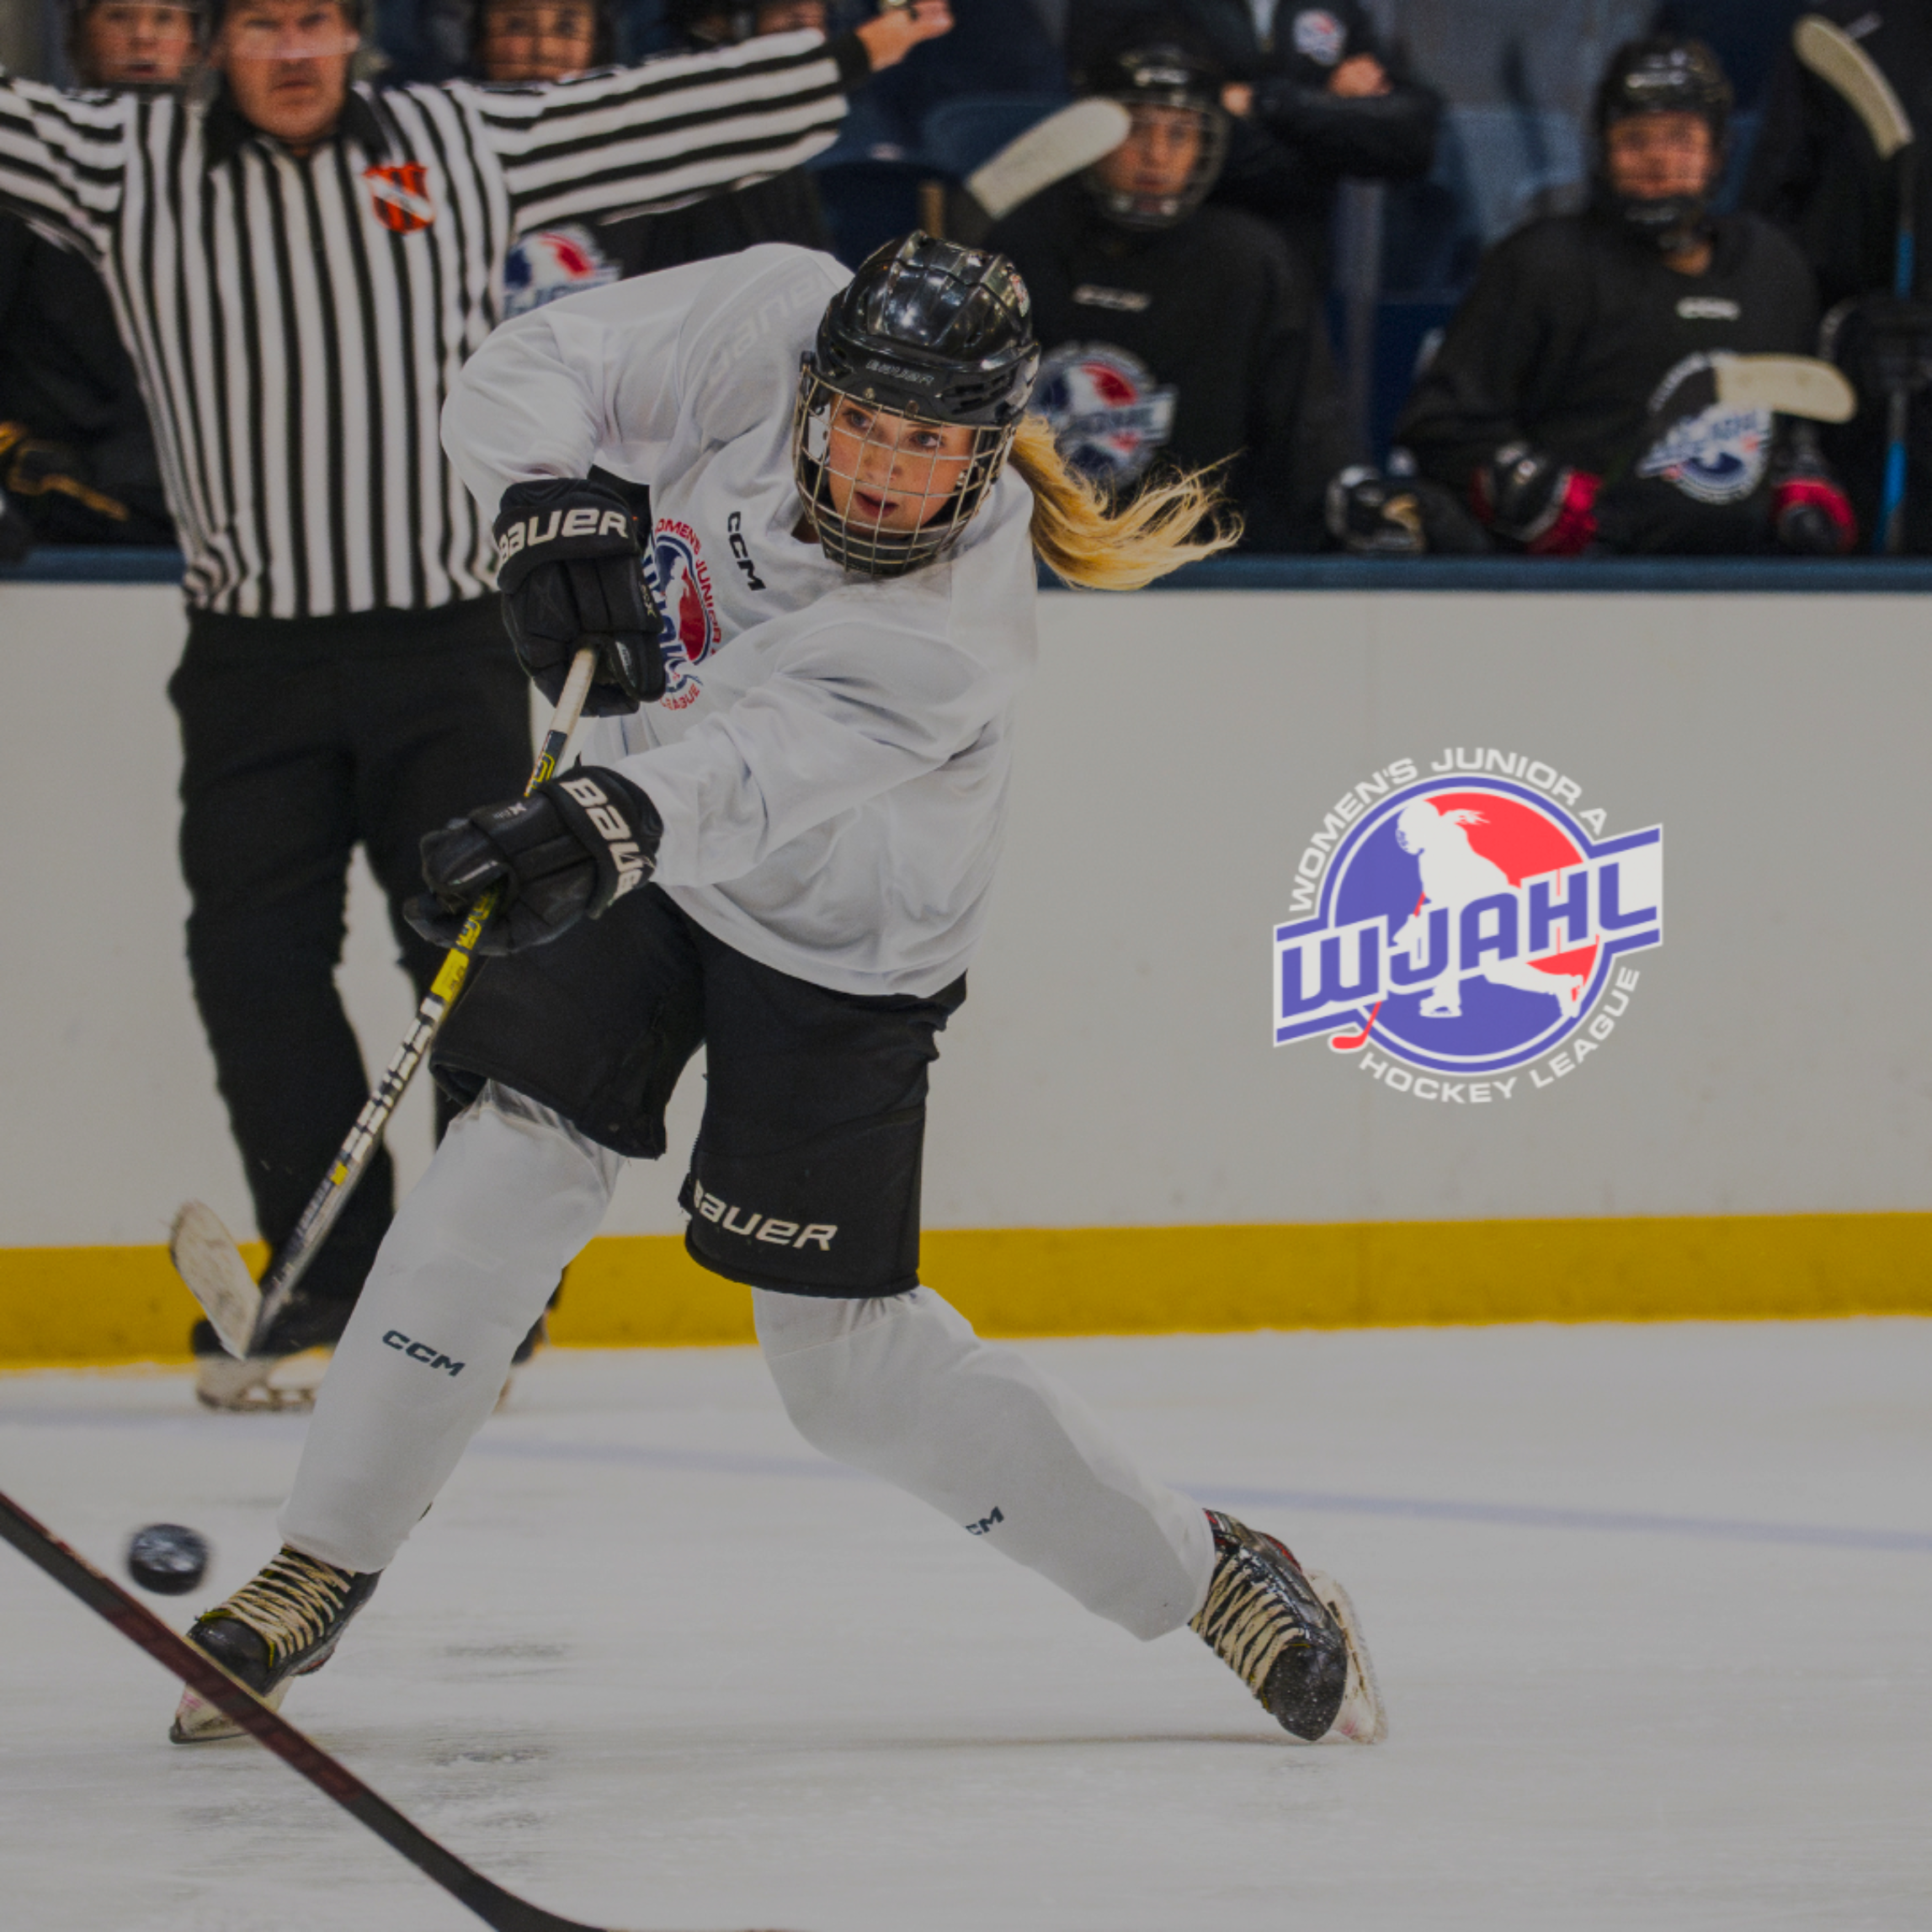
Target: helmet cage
(1174, 78)
(1662, 76)
(868, 547)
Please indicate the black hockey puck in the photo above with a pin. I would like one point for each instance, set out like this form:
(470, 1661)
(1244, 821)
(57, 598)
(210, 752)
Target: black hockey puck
(169, 1558)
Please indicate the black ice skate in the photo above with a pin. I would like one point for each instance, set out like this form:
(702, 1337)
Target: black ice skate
(285, 1624)
(1290, 1635)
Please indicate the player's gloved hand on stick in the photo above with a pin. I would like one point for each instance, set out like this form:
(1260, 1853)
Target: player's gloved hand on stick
(1810, 514)
(568, 552)
(1534, 499)
(565, 853)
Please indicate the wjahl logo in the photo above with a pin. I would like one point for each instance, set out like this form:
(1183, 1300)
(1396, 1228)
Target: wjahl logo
(1467, 924)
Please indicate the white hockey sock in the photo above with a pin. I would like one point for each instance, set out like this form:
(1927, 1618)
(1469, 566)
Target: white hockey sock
(901, 1387)
(465, 1270)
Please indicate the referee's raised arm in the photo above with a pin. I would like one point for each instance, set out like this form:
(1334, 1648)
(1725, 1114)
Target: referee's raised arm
(300, 264)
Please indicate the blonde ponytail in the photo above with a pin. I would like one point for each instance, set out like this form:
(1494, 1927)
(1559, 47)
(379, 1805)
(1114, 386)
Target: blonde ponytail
(1085, 540)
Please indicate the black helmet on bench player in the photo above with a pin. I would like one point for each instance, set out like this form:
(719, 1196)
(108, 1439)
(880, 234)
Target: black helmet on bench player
(1661, 75)
(933, 331)
(1161, 79)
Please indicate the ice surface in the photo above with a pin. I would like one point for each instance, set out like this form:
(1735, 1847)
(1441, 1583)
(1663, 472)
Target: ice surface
(1651, 1607)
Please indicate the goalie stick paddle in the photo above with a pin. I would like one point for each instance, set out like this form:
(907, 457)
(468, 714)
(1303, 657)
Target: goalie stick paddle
(76, 1575)
(204, 1255)
(1843, 65)
(1062, 145)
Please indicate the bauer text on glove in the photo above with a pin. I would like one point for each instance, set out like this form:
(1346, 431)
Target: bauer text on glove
(565, 853)
(569, 566)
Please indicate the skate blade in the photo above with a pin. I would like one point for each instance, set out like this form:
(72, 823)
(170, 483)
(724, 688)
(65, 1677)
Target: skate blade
(197, 1721)
(262, 1382)
(1361, 1719)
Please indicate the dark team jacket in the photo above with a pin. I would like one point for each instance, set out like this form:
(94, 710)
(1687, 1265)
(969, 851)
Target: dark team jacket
(1287, 159)
(1815, 173)
(1182, 348)
(1578, 339)
(783, 209)
(65, 379)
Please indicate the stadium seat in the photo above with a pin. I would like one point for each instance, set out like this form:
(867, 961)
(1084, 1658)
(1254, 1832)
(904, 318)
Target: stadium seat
(867, 203)
(958, 135)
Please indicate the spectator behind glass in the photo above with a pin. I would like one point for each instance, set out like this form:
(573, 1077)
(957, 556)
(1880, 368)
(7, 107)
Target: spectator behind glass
(1817, 174)
(520, 40)
(532, 40)
(1176, 336)
(1317, 101)
(76, 458)
(1572, 401)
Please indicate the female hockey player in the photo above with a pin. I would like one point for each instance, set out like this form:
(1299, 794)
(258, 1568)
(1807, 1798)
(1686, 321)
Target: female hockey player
(1567, 402)
(786, 857)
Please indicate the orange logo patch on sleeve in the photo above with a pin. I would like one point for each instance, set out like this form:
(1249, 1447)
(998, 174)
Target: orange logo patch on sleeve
(400, 195)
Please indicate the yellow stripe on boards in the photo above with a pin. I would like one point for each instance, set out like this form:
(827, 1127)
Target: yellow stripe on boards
(104, 1305)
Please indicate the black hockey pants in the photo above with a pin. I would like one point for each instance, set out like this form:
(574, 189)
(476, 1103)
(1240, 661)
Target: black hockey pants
(300, 739)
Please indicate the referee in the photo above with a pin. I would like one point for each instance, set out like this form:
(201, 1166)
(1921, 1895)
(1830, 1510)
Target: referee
(300, 264)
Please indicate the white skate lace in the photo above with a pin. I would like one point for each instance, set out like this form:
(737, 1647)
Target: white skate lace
(290, 1604)
(1245, 1620)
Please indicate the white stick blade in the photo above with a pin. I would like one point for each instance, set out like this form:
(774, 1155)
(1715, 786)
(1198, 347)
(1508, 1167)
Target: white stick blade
(205, 1257)
(1062, 145)
(1791, 385)
(1841, 62)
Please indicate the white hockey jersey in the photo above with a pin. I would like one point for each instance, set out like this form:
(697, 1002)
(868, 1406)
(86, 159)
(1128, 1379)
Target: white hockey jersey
(833, 754)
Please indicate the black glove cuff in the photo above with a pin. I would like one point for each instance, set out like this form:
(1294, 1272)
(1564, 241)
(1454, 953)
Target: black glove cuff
(612, 821)
(559, 518)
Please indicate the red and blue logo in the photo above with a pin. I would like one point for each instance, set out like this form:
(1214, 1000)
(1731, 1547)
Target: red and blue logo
(1465, 925)
(681, 581)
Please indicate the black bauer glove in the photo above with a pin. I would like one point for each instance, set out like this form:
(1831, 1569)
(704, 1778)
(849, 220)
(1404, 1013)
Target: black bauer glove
(565, 853)
(568, 567)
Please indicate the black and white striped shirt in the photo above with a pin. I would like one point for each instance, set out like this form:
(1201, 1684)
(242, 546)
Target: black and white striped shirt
(296, 323)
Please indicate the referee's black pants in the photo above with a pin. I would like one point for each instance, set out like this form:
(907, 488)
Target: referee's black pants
(300, 739)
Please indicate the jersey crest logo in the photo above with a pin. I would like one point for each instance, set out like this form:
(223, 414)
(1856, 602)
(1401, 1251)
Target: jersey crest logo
(1319, 36)
(681, 583)
(1465, 923)
(1109, 415)
(400, 195)
(550, 263)
(1718, 455)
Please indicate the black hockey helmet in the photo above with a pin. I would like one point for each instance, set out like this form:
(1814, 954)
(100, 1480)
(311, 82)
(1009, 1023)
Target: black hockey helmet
(1160, 73)
(1662, 75)
(933, 331)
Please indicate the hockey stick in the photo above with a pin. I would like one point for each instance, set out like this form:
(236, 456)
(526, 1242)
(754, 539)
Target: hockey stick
(1063, 144)
(1351, 1042)
(241, 1310)
(207, 1680)
(1789, 385)
(1843, 65)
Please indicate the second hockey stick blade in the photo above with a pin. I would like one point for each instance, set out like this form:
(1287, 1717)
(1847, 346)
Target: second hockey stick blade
(1790, 384)
(496, 1907)
(1062, 145)
(1843, 64)
(205, 1257)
